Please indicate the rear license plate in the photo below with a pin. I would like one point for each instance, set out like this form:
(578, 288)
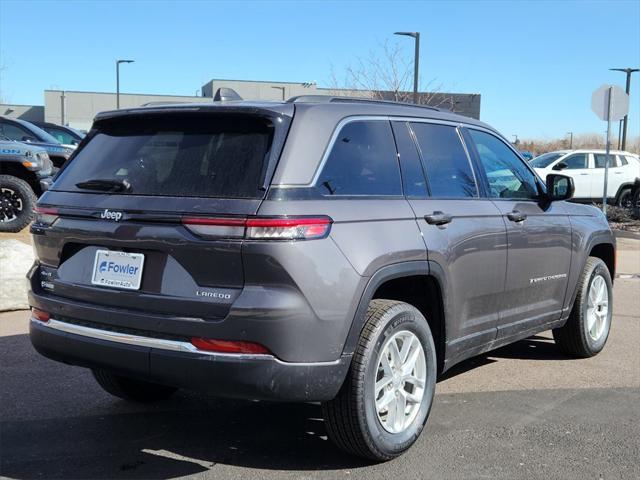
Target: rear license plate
(117, 269)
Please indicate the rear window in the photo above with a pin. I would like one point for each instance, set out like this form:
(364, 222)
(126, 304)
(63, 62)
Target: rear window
(176, 155)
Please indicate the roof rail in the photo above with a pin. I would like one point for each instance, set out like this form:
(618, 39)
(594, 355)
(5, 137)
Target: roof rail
(340, 99)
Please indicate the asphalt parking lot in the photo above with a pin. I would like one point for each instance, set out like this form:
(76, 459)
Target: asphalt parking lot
(524, 411)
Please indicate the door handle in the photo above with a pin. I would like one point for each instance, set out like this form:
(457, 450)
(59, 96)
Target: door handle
(584, 174)
(438, 218)
(516, 216)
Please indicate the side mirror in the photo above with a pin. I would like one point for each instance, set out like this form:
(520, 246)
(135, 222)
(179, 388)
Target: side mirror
(559, 187)
(26, 139)
(559, 166)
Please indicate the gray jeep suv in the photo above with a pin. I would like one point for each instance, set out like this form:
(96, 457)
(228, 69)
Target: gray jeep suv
(321, 249)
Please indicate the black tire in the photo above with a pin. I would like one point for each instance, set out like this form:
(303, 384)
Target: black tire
(635, 201)
(131, 389)
(574, 338)
(625, 199)
(351, 418)
(17, 202)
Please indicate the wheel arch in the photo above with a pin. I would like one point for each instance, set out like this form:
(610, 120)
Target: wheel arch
(625, 186)
(17, 170)
(419, 283)
(606, 252)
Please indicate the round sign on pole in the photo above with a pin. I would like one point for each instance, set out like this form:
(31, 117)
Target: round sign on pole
(619, 102)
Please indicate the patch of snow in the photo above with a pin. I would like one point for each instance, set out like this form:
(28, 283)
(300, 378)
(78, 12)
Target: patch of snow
(16, 259)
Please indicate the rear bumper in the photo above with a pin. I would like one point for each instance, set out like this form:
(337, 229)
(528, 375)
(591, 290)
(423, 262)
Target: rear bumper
(179, 364)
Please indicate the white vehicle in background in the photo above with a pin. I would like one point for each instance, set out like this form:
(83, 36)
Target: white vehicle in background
(586, 167)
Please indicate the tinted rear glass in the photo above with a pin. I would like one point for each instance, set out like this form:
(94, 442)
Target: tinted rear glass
(176, 155)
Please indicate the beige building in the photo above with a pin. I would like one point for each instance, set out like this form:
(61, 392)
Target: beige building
(77, 109)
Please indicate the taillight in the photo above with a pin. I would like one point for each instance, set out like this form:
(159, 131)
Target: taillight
(39, 315)
(46, 215)
(280, 228)
(228, 346)
(215, 227)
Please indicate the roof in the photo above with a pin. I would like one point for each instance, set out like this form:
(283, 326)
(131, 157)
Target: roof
(347, 105)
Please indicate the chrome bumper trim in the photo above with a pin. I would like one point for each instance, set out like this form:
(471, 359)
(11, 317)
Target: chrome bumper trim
(140, 341)
(159, 343)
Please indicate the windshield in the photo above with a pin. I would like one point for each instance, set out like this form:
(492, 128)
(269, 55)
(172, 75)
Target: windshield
(176, 155)
(543, 161)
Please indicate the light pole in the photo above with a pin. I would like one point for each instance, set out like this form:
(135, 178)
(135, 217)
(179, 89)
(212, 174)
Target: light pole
(118, 62)
(570, 140)
(628, 71)
(416, 36)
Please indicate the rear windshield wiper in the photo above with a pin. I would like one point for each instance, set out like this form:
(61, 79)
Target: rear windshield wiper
(105, 185)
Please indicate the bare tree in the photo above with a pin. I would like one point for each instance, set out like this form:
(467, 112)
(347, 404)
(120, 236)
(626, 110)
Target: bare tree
(387, 75)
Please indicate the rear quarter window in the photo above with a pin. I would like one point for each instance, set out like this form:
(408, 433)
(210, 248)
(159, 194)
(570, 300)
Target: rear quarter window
(176, 155)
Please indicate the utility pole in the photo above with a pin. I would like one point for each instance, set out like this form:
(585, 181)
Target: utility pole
(628, 71)
(62, 108)
(570, 140)
(416, 61)
(118, 62)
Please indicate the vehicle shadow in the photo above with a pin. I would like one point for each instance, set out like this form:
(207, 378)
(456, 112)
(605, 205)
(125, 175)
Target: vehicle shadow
(57, 423)
(533, 348)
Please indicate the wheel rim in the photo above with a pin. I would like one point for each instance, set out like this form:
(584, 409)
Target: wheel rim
(401, 376)
(597, 307)
(626, 201)
(11, 204)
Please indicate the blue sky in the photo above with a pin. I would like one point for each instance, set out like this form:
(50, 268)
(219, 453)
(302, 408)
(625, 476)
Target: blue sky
(534, 63)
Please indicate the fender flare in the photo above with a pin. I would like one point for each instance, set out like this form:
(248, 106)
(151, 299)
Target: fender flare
(598, 238)
(626, 186)
(425, 268)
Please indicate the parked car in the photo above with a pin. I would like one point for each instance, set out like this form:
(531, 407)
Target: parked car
(526, 154)
(22, 131)
(67, 136)
(586, 167)
(332, 250)
(25, 172)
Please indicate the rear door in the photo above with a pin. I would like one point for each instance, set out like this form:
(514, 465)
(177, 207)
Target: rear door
(615, 179)
(463, 233)
(142, 212)
(538, 236)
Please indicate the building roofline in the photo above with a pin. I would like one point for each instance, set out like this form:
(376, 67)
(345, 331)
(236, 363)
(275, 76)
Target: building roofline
(19, 105)
(257, 81)
(121, 93)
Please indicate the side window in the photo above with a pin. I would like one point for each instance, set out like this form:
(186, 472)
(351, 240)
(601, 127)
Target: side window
(446, 163)
(579, 160)
(623, 161)
(363, 161)
(507, 175)
(413, 181)
(600, 160)
(61, 136)
(15, 133)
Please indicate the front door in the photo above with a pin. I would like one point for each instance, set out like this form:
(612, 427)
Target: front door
(577, 167)
(538, 237)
